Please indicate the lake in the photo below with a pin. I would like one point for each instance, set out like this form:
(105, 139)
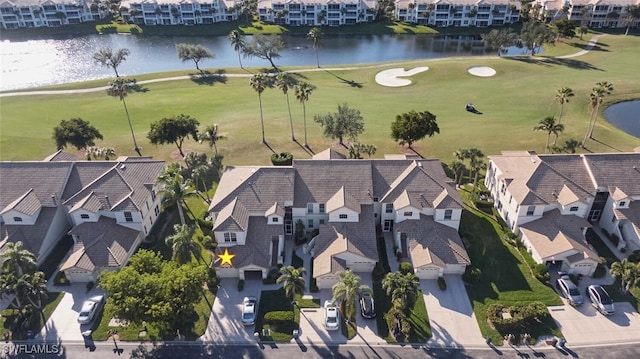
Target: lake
(625, 116)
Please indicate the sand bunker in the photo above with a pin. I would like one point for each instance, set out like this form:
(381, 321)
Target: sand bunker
(390, 78)
(482, 71)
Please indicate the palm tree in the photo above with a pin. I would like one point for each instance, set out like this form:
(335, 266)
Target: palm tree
(303, 91)
(346, 291)
(120, 88)
(562, 96)
(314, 36)
(33, 290)
(628, 272)
(457, 167)
(402, 288)
(238, 43)
(183, 244)
(633, 13)
(175, 190)
(549, 125)
(17, 260)
(210, 134)
(199, 175)
(596, 97)
(477, 165)
(259, 82)
(292, 280)
(284, 81)
(107, 58)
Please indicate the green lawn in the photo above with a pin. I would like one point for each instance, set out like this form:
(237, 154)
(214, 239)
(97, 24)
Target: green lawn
(275, 300)
(505, 275)
(512, 102)
(9, 316)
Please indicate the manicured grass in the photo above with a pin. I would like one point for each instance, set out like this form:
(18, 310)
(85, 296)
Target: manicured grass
(419, 319)
(505, 278)
(275, 300)
(383, 304)
(348, 328)
(512, 102)
(9, 316)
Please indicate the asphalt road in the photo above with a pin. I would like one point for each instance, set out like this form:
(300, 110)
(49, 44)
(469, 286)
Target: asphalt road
(78, 350)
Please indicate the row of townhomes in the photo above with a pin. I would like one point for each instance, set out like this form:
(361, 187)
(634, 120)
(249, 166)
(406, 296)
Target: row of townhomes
(345, 203)
(551, 201)
(37, 13)
(107, 207)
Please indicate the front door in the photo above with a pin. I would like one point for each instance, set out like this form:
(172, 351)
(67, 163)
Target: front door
(388, 225)
(288, 227)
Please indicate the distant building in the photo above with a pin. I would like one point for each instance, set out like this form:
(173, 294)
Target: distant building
(591, 13)
(48, 13)
(178, 12)
(457, 13)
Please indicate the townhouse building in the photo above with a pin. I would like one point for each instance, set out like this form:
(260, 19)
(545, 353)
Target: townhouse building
(48, 13)
(591, 13)
(442, 13)
(178, 12)
(317, 12)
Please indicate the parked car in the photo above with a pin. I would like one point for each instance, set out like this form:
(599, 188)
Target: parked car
(90, 308)
(367, 306)
(600, 299)
(569, 289)
(249, 305)
(331, 316)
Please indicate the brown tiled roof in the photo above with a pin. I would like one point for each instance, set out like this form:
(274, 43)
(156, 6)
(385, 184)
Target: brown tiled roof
(329, 154)
(28, 204)
(30, 235)
(621, 170)
(47, 179)
(431, 242)
(256, 250)
(342, 199)
(101, 244)
(276, 209)
(233, 218)
(61, 156)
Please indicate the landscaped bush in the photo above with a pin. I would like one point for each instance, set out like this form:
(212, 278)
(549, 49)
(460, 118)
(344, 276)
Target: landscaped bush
(61, 279)
(634, 257)
(213, 281)
(442, 284)
(522, 317)
(378, 272)
(272, 277)
(240, 285)
(299, 233)
(282, 159)
(278, 319)
(471, 275)
(541, 273)
(405, 268)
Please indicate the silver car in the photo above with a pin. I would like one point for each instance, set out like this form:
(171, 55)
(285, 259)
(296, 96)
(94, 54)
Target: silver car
(249, 305)
(90, 308)
(600, 299)
(569, 290)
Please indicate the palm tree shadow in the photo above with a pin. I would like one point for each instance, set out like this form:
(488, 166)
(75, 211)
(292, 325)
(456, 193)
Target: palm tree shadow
(209, 78)
(607, 145)
(348, 82)
(268, 146)
(307, 149)
(416, 152)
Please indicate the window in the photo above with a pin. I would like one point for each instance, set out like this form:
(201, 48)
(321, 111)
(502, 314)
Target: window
(530, 210)
(321, 207)
(623, 203)
(128, 217)
(274, 219)
(153, 195)
(309, 207)
(408, 214)
(389, 208)
(17, 219)
(230, 237)
(343, 216)
(573, 209)
(145, 229)
(321, 220)
(157, 210)
(310, 223)
(448, 213)
(376, 199)
(84, 216)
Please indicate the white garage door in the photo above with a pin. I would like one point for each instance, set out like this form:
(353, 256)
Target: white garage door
(227, 272)
(79, 276)
(583, 268)
(427, 272)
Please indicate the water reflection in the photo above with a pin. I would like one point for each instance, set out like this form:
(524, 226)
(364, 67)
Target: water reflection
(45, 62)
(625, 116)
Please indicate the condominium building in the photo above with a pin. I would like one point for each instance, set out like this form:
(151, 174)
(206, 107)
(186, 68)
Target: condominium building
(178, 12)
(317, 12)
(458, 12)
(48, 13)
(591, 13)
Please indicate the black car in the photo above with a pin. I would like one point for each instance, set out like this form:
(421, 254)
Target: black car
(367, 306)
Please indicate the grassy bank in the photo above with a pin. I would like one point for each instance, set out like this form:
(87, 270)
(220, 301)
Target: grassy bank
(513, 101)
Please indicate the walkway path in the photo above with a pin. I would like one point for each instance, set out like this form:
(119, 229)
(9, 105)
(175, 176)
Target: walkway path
(588, 48)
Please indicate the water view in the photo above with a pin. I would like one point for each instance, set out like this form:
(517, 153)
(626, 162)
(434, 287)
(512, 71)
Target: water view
(625, 116)
(34, 63)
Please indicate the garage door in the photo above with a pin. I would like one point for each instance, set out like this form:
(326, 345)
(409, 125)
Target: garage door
(76, 276)
(428, 272)
(583, 268)
(224, 272)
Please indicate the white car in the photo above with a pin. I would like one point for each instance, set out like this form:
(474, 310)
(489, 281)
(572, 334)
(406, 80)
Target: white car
(569, 290)
(331, 316)
(601, 299)
(90, 308)
(249, 305)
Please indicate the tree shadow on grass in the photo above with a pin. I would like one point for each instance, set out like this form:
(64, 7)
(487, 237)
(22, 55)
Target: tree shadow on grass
(209, 78)
(606, 144)
(351, 83)
(553, 61)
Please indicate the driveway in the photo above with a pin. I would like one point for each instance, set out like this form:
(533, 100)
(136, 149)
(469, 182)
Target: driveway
(63, 325)
(453, 322)
(584, 325)
(225, 323)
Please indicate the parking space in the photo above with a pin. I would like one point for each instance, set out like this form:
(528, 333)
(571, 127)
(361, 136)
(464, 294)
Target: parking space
(63, 323)
(584, 325)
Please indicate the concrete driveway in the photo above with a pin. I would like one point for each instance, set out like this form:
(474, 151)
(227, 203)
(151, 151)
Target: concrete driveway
(453, 322)
(584, 325)
(225, 323)
(63, 324)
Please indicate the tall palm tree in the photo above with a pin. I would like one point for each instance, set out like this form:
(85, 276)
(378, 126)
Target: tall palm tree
(259, 82)
(284, 81)
(292, 280)
(549, 125)
(34, 291)
(210, 134)
(108, 58)
(199, 175)
(633, 13)
(175, 190)
(314, 36)
(628, 272)
(346, 291)
(596, 97)
(303, 90)
(120, 88)
(17, 260)
(402, 288)
(238, 43)
(183, 244)
(562, 96)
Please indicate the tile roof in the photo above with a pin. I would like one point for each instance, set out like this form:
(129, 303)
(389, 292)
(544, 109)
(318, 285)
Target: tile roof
(631, 214)
(61, 156)
(255, 252)
(276, 209)
(328, 154)
(621, 170)
(28, 204)
(30, 235)
(342, 199)
(431, 242)
(47, 179)
(101, 245)
(233, 218)
(555, 234)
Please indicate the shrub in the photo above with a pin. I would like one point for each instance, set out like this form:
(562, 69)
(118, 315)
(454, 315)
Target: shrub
(472, 275)
(442, 284)
(240, 285)
(299, 234)
(278, 316)
(282, 159)
(405, 268)
(541, 272)
(634, 257)
(522, 317)
(61, 279)
(378, 272)
(271, 277)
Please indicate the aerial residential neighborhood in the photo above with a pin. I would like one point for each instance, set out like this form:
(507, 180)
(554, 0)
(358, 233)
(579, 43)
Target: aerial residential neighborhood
(333, 178)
